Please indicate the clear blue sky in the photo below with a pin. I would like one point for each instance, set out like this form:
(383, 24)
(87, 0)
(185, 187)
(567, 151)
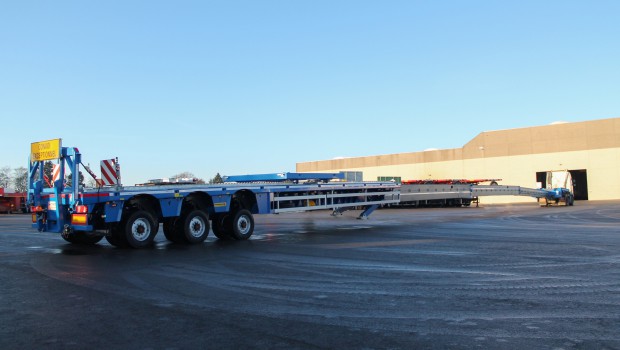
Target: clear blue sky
(241, 87)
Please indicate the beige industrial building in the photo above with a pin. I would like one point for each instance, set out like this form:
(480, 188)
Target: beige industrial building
(589, 150)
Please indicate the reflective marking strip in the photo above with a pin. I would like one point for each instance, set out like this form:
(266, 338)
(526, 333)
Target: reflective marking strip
(108, 172)
(56, 173)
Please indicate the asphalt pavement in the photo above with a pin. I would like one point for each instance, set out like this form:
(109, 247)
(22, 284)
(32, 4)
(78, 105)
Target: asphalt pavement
(495, 277)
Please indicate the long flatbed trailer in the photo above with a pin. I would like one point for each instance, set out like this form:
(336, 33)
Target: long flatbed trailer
(131, 216)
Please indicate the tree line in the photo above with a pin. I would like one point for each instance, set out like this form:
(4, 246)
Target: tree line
(217, 179)
(17, 178)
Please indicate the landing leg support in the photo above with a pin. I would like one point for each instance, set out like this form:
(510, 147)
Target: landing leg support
(369, 209)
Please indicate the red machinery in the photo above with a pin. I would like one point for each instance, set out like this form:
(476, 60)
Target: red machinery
(11, 202)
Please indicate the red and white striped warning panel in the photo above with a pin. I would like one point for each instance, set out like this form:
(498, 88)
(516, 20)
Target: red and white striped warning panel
(109, 175)
(56, 173)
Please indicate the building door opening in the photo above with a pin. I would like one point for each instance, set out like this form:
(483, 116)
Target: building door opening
(541, 179)
(580, 182)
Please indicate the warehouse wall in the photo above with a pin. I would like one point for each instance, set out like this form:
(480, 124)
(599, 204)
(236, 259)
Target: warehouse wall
(514, 155)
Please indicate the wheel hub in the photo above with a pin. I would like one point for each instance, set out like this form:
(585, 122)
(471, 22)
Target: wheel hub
(196, 227)
(140, 230)
(243, 225)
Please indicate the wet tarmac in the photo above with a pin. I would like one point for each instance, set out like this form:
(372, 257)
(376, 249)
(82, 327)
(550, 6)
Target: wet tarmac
(495, 277)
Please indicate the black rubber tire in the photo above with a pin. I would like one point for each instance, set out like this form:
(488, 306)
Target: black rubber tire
(113, 240)
(116, 237)
(221, 227)
(82, 238)
(171, 232)
(195, 227)
(140, 229)
(242, 225)
(69, 238)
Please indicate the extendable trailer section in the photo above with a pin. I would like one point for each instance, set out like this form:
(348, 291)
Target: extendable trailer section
(546, 197)
(131, 216)
(458, 193)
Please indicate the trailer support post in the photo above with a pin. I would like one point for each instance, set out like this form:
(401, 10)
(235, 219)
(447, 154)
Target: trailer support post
(367, 211)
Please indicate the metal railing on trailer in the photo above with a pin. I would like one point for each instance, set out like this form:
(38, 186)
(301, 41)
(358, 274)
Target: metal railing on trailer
(487, 190)
(335, 197)
(295, 192)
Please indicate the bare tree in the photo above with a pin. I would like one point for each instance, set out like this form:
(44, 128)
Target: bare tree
(5, 177)
(184, 175)
(90, 182)
(188, 175)
(20, 179)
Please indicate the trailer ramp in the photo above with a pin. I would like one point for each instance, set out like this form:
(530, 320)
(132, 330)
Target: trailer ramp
(546, 197)
(495, 190)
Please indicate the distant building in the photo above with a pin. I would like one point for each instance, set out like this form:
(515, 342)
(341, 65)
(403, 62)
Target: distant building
(590, 150)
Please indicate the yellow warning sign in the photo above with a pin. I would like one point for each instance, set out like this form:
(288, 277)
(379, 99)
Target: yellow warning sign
(45, 150)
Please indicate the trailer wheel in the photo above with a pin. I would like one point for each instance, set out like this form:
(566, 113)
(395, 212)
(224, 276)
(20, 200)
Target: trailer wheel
(170, 230)
(195, 227)
(242, 225)
(140, 229)
(221, 226)
(83, 238)
(115, 240)
(116, 237)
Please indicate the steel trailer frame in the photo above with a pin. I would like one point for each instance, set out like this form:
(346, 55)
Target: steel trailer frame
(131, 215)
